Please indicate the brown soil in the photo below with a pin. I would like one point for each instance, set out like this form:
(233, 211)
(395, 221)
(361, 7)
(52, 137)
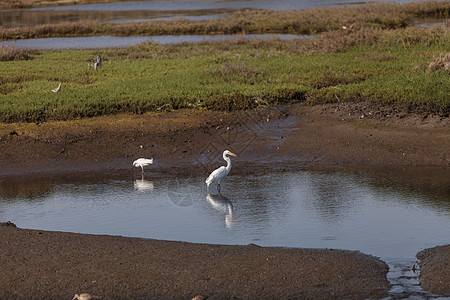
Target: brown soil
(51, 265)
(57, 265)
(435, 270)
(275, 137)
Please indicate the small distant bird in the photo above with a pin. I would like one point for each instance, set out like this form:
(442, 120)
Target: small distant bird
(85, 296)
(99, 60)
(218, 174)
(97, 63)
(143, 162)
(57, 89)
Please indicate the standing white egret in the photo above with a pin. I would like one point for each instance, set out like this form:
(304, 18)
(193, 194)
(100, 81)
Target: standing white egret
(218, 174)
(143, 162)
(57, 89)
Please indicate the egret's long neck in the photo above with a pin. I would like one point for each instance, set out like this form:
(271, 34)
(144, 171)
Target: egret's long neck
(228, 160)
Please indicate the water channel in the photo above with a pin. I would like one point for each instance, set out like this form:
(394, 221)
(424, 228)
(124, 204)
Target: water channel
(102, 42)
(134, 11)
(392, 215)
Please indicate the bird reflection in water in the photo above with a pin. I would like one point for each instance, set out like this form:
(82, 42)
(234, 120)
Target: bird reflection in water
(143, 184)
(222, 204)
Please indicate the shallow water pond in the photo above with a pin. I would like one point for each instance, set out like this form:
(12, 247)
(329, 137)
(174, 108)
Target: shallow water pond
(346, 210)
(389, 214)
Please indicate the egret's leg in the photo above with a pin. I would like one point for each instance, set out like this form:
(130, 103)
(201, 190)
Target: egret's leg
(142, 169)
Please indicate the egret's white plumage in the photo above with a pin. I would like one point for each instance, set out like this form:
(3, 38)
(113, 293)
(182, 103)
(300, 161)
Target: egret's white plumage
(143, 162)
(218, 174)
(57, 89)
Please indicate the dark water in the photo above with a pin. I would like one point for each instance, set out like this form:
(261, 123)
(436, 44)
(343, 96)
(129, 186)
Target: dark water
(389, 214)
(153, 10)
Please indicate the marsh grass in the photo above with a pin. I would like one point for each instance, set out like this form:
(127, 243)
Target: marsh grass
(310, 21)
(17, 4)
(12, 53)
(365, 64)
(442, 62)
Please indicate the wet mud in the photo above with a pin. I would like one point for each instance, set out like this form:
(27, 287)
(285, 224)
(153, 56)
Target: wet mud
(55, 265)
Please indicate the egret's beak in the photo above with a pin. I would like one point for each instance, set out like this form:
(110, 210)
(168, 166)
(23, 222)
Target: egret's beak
(231, 153)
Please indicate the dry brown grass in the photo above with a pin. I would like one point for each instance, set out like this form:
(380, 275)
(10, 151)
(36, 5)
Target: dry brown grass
(327, 42)
(310, 21)
(8, 53)
(440, 62)
(17, 4)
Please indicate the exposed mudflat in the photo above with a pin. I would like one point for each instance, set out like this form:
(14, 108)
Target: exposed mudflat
(56, 265)
(356, 135)
(435, 270)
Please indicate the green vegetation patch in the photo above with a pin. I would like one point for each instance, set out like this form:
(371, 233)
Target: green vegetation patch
(383, 66)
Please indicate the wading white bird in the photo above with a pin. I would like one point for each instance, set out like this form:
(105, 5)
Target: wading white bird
(57, 89)
(143, 162)
(218, 174)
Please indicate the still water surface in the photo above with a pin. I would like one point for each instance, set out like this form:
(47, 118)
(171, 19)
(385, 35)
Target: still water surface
(294, 209)
(102, 42)
(392, 215)
(118, 12)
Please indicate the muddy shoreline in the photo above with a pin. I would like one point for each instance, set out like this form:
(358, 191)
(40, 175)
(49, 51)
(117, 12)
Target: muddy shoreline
(190, 142)
(56, 265)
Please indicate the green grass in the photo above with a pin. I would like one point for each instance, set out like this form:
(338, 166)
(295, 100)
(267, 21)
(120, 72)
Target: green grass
(383, 66)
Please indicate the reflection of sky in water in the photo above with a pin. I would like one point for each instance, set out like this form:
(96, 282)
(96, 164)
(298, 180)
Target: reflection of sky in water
(96, 42)
(117, 12)
(303, 209)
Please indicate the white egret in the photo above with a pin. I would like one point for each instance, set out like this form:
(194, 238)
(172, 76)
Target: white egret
(57, 89)
(143, 162)
(218, 174)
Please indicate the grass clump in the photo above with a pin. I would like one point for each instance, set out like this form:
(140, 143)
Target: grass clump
(8, 53)
(442, 62)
